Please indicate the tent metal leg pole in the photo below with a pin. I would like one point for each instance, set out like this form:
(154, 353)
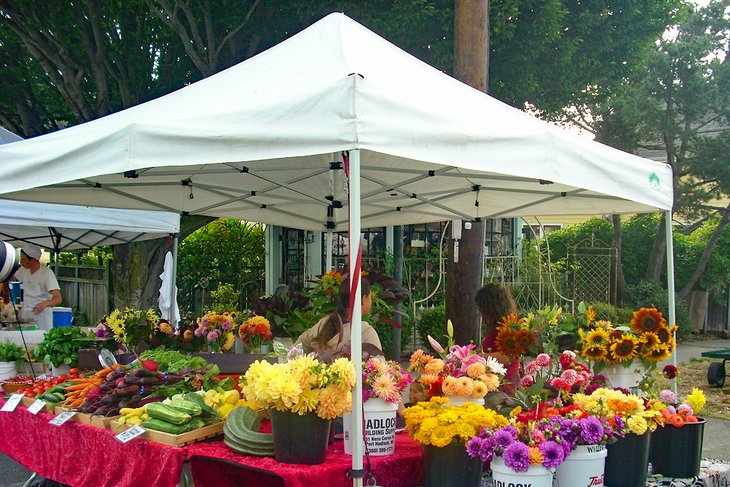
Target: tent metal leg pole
(670, 287)
(328, 251)
(173, 293)
(356, 321)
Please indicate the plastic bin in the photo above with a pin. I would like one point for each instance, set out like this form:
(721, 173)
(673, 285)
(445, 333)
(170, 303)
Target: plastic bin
(61, 316)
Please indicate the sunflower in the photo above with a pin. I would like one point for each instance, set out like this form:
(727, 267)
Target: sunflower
(647, 320)
(590, 315)
(658, 354)
(511, 321)
(594, 338)
(626, 348)
(665, 333)
(648, 342)
(524, 339)
(594, 353)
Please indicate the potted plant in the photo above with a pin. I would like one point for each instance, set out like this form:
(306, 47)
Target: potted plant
(10, 355)
(256, 334)
(60, 348)
(302, 395)
(383, 383)
(676, 447)
(443, 432)
(458, 373)
(521, 453)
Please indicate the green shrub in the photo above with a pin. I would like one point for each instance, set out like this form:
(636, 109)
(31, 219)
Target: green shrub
(614, 314)
(646, 294)
(385, 333)
(432, 322)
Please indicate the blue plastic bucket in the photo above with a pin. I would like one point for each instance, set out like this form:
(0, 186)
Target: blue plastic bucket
(61, 316)
(14, 290)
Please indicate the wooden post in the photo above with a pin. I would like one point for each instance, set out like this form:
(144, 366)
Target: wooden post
(465, 264)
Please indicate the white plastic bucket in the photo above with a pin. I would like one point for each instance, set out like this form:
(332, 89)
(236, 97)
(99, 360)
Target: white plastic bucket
(379, 427)
(625, 377)
(61, 316)
(585, 466)
(8, 370)
(61, 369)
(461, 400)
(536, 476)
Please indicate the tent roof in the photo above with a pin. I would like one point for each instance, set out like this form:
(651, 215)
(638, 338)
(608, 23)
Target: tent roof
(258, 142)
(6, 136)
(69, 227)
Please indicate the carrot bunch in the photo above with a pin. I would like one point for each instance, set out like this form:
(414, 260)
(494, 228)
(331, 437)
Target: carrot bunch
(86, 388)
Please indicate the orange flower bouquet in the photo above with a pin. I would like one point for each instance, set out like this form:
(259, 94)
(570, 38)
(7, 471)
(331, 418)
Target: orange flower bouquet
(255, 332)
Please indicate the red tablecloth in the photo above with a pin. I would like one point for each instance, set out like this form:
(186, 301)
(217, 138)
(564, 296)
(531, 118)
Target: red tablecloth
(402, 469)
(81, 455)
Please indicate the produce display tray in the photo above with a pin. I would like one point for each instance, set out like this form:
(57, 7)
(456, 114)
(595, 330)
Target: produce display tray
(194, 436)
(103, 422)
(28, 402)
(83, 418)
(13, 387)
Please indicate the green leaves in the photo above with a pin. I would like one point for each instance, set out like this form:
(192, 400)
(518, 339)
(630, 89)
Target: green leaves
(61, 346)
(10, 352)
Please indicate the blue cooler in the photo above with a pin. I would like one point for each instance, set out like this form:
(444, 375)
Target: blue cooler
(15, 291)
(61, 316)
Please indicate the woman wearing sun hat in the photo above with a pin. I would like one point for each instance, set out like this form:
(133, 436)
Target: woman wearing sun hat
(40, 287)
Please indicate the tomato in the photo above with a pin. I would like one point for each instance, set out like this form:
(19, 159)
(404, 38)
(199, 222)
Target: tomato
(46, 387)
(30, 394)
(38, 390)
(22, 391)
(74, 371)
(62, 378)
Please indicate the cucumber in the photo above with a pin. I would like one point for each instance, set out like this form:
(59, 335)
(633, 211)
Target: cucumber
(164, 426)
(163, 412)
(207, 410)
(187, 407)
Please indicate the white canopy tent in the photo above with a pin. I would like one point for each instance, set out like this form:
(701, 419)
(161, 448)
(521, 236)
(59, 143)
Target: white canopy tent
(70, 227)
(266, 140)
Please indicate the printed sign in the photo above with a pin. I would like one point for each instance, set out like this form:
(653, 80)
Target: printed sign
(36, 406)
(62, 418)
(12, 403)
(130, 434)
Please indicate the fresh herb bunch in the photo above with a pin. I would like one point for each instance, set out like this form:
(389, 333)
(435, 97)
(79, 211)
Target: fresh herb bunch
(10, 352)
(61, 346)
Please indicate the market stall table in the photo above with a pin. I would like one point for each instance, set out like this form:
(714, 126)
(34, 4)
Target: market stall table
(82, 455)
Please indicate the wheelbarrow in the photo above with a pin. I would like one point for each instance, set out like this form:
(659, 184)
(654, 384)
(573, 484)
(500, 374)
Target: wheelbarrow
(716, 370)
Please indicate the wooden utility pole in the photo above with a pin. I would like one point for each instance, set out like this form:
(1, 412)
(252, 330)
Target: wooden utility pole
(466, 255)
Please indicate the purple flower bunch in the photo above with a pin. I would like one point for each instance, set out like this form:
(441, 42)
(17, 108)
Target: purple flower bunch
(102, 330)
(589, 430)
(522, 444)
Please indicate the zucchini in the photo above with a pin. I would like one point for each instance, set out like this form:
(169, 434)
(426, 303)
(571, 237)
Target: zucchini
(207, 410)
(163, 412)
(164, 426)
(187, 407)
(196, 423)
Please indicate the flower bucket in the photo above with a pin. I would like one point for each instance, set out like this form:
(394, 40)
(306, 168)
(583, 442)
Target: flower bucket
(676, 452)
(61, 316)
(627, 463)
(299, 439)
(625, 377)
(450, 466)
(8, 370)
(585, 466)
(535, 476)
(460, 400)
(379, 427)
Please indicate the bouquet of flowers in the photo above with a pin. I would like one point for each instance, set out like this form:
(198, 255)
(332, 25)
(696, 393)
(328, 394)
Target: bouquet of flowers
(433, 423)
(649, 339)
(385, 380)
(255, 332)
(301, 385)
(218, 330)
(460, 372)
(131, 326)
(536, 332)
(626, 413)
(522, 444)
(686, 412)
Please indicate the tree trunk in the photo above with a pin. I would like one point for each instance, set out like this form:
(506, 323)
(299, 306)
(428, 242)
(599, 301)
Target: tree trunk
(658, 251)
(621, 290)
(137, 267)
(706, 253)
(464, 278)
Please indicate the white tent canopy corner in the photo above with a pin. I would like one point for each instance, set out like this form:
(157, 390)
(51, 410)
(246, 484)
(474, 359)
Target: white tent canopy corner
(266, 140)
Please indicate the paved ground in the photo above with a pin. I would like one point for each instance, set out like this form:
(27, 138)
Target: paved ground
(715, 444)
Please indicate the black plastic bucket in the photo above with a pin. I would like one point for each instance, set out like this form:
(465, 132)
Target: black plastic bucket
(450, 466)
(299, 439)
(676, 452)
(627, 463)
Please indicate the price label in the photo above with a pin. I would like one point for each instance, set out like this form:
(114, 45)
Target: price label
(12, 403)
(130, 434)
(62, 418)
(36, 406)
